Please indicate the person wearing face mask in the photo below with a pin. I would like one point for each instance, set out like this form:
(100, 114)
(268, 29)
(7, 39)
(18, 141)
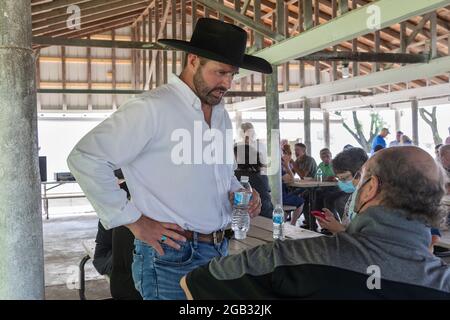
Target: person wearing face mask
(383, 254)
(346, 166)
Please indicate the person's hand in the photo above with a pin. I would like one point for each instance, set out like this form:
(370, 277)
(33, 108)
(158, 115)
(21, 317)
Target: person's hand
(287, 178)
(434, 240)
(151, 232)
(330, 223)
(331, 179)
(254, 206)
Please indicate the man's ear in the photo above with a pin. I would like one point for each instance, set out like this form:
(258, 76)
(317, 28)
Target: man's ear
(193, 61)
(373, 188)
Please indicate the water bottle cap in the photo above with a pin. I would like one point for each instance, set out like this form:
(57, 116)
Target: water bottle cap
(244, 179)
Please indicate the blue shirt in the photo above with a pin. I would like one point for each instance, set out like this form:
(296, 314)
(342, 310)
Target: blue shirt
(379, 140)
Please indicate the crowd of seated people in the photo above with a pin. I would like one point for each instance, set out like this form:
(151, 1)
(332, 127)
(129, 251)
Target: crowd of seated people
(391, 212)
(334, 201)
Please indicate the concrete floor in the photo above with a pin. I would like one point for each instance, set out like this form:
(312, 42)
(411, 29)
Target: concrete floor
(95, 290)
(70, 223)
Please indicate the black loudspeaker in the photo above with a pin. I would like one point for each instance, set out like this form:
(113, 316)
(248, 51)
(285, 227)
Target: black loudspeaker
(64, 176)
(43, 168)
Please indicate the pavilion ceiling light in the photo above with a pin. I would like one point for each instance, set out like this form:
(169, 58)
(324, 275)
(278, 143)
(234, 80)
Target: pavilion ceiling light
(345, 70)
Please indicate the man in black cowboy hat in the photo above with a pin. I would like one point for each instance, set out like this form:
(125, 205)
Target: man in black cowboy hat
(163, 141)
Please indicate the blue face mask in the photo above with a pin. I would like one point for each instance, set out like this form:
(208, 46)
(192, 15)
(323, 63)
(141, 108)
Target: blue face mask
(352, 207)
(346, 186)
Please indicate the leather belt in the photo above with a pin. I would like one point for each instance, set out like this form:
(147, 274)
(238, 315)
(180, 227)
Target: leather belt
(215, 237)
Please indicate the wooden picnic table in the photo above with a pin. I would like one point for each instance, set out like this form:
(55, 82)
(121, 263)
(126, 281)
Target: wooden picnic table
(260, 232)
(312, 185)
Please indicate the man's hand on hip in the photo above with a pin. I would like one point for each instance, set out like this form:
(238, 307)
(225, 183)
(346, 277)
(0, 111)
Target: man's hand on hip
(154, 233)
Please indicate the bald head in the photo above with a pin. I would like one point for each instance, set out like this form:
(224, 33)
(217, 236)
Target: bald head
(412, 157)
(411, 180)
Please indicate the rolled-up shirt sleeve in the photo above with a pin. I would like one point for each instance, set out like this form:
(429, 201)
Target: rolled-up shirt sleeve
(114, 143)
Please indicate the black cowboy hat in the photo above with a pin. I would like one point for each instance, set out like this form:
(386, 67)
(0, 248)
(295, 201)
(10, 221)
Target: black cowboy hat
(222, 42)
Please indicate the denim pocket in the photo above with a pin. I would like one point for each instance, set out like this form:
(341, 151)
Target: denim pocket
(137, 269)
(174, 257)
(222, 248)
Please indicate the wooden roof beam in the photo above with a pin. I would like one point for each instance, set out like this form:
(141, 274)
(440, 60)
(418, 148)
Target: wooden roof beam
(91, 28)
(63, 11)
(237, 16)
(85, 20)
(56, 4)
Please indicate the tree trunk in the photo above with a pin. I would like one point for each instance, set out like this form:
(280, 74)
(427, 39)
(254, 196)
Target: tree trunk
(358, 134)
(431, 120)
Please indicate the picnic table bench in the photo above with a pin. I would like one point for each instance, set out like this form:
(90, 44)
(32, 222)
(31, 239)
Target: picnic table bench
(89, 247)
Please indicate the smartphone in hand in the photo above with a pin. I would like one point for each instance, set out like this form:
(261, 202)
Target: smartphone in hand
(317, 213)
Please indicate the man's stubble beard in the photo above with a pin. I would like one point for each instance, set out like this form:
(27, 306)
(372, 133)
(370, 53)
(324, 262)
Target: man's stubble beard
(204, 92)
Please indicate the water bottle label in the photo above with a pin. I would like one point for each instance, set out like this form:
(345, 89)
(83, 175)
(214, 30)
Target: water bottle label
(238, 198)
(241, 198)
(278, 219)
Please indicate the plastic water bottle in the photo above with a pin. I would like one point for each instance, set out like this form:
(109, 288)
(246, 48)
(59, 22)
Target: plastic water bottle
(240, 221)
(278, 222)
(319, 175)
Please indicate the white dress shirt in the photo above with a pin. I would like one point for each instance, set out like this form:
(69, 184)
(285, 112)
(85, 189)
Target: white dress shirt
(141, 138)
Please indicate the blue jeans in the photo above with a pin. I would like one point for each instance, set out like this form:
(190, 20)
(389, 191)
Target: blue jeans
(158, 277)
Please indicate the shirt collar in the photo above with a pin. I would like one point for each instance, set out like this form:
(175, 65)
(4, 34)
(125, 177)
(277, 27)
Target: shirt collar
(191, 98)
(391, 225)
(186, 91)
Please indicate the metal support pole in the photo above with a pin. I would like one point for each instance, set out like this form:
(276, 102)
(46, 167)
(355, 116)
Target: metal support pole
(273, 136)
(398, 117)
(326, 129)
(21, 248)
(415, 121)
(307, 123)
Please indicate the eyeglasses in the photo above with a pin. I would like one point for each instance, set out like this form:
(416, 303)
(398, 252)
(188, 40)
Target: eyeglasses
(349, 176)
